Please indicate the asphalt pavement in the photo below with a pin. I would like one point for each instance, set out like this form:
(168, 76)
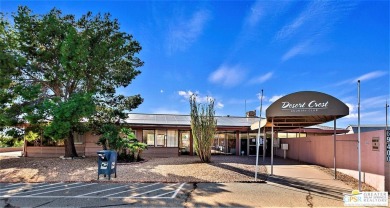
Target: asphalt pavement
(107, 194)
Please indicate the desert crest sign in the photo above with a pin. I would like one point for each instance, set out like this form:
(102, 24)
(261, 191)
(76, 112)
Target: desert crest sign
(305, 106)
(307, 103)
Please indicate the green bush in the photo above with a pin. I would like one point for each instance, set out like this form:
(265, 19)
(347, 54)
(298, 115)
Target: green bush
(123, 141)
(6, 141)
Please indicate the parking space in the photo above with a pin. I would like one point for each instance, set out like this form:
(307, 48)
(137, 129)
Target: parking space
(91, 190)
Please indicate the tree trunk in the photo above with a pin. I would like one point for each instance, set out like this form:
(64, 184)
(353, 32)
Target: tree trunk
(70, 149)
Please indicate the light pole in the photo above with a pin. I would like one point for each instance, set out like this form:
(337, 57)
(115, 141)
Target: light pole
(359, 156)
(258, 137)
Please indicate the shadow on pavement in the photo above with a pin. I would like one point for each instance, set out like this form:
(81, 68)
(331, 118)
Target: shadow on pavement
(315, 188)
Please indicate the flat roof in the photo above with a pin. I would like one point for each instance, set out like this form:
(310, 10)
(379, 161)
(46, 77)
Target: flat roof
(185, 120)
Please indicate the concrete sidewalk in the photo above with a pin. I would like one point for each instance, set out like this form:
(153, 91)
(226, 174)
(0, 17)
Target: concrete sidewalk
(11, 154)
(305, 177)
(292, 185)
(293, 169)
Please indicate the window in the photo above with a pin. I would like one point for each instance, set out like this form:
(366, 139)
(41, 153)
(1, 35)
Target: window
(148, 137)
(161, 137)
(172, 138)
(78, 138)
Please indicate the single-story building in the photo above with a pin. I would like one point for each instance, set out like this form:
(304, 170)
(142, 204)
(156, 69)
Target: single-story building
(169, 135)
(353, 129)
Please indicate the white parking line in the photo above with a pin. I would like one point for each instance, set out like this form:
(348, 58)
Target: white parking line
(154, 190)
(83, 196)
(101, 191)
(17, 191)
(30, 187)
(62, 189)
(88, 197)
(10, 188)
(131, 189)
(163, 194)
(12, 184)
(177, 190)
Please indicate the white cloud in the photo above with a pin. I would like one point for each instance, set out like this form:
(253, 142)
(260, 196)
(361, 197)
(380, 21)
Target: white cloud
(301, 48)
(351, 107)
(162, 91)
(259, 96)
(200, 98)
(370, 75)
(220, 105)
(362, 78)
(227, 75)
(352, 111)
(185, 32)
(311, 25)
(374, 102)
(275, 98)
(186, 94)
(309, 16)
(255, 14)
(318, 18)
(262, 78)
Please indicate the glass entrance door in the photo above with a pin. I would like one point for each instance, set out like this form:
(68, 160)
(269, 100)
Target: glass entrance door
(244, 147)
(184, 140)
(252, 145)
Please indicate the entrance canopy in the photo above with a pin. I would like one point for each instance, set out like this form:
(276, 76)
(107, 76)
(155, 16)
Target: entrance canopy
(302, 109)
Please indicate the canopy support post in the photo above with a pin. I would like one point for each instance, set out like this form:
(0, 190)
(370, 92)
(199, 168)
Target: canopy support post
(334, 149)
(264, 143)
(272, 147)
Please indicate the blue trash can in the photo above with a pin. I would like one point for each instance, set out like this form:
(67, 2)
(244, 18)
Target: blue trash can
(107, 163)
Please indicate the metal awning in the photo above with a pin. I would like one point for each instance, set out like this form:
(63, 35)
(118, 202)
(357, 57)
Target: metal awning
(306, 108)
(301, 109)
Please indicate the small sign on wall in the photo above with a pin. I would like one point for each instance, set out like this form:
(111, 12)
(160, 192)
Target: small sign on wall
(388, 145)
(375, 144)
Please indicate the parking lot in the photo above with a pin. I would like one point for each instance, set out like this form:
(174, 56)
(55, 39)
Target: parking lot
(90, 190)
(290, 193)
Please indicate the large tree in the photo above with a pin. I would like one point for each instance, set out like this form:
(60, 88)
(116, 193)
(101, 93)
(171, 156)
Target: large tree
(61, 70)
(203, 127)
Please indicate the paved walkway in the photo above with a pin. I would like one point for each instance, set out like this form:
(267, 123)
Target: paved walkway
(305, 177)
(11, 154)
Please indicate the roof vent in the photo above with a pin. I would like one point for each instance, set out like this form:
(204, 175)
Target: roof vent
(251, 114)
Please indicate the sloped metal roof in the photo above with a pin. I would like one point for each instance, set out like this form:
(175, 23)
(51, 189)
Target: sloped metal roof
(353, 129)
(185, 120)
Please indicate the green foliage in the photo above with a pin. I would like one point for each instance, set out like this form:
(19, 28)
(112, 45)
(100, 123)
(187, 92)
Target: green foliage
(67, 115)
(122, 141)
(31, 136)
(132, 144)
(203, 126)
(7, 141)
(58, 69)
(110, 137)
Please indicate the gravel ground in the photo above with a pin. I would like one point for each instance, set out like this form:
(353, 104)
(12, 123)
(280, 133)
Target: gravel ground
(349, 180)
(180, 169)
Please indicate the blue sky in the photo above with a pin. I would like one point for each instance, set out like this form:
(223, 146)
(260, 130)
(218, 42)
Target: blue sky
(230, 50)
